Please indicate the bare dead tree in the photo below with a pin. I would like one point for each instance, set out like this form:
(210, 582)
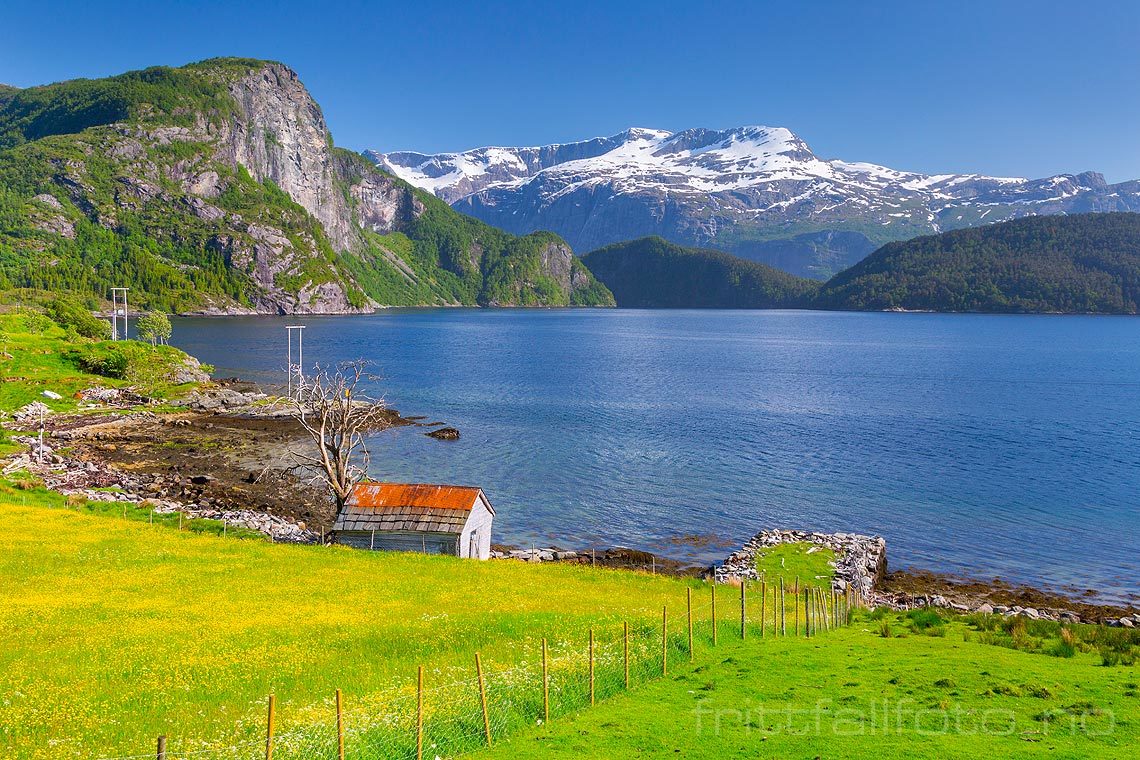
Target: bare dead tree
(337, 417)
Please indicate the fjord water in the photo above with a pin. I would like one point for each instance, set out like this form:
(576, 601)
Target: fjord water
(986, 445)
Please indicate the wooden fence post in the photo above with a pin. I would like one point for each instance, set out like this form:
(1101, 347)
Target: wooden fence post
(796, 606)
(714, 610)
(689, 604)
(664, 641)
(814, 614)
(783, 610)
(339, 726)
(420, 714)
(625, 656)
(778, 601)
(269, 727)
(545, 684)
(817, 604)
(743, 613)
(161, 748)
(807, 614)
(763, 607)
(810, 600)
(776, 609)
(591, 666)
(483, 698)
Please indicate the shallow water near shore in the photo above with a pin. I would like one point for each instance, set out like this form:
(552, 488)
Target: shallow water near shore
(984, 445)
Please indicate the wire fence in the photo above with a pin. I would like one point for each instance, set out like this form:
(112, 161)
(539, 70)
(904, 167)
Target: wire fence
(421, 719)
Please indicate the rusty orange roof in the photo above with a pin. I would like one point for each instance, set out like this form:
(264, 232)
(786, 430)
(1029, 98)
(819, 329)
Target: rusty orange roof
(370, 495)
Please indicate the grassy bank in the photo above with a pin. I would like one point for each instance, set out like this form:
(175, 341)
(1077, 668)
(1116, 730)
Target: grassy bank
(798, 564)
(38, 354)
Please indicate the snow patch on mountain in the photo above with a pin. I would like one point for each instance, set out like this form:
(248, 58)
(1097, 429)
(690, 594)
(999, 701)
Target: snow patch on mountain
(693, 161)
(740, 189)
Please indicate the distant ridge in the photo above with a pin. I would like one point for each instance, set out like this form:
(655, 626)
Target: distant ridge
(755, 191)
(1080, 264)
(652, 272)
(1086, 263)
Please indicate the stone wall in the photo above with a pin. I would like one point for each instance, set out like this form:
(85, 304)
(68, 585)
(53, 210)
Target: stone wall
(860, 561)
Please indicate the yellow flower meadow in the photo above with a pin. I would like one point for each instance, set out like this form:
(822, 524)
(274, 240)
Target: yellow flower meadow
(117, 631)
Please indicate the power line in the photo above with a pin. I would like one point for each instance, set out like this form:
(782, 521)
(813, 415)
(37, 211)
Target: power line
(299, 368)
(115, 313)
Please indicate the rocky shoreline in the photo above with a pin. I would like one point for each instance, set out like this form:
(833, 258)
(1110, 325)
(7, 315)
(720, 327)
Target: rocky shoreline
(861, 564)
(616, 557)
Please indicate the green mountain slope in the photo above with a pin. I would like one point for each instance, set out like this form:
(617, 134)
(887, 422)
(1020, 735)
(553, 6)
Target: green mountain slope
(652, 272)
(1086, 263)
(215, 187)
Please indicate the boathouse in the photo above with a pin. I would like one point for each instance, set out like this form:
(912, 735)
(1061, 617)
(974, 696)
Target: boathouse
(416, 517)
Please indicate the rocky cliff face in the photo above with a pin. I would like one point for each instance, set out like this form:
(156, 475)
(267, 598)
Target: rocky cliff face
(237, 165)
(759, 192)
(280, 135)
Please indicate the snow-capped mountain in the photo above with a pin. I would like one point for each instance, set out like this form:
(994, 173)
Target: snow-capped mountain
(759, 192)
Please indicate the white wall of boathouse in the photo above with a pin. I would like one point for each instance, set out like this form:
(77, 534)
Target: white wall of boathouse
(475, 540)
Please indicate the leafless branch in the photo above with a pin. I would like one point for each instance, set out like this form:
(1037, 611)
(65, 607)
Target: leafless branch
(336, 413)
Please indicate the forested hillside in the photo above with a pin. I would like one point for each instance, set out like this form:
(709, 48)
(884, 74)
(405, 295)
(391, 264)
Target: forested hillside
(215, 187)
(652, 272)
(1085, 263)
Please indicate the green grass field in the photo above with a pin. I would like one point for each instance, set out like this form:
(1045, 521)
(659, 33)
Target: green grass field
(855, 694)
(118, 630)
(797, 564)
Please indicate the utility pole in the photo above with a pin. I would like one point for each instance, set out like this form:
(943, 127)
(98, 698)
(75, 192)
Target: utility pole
(41, 451)
(299, 367)
(115, 313)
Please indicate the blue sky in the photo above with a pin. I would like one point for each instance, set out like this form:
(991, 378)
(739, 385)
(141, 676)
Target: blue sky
(1007, 88)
